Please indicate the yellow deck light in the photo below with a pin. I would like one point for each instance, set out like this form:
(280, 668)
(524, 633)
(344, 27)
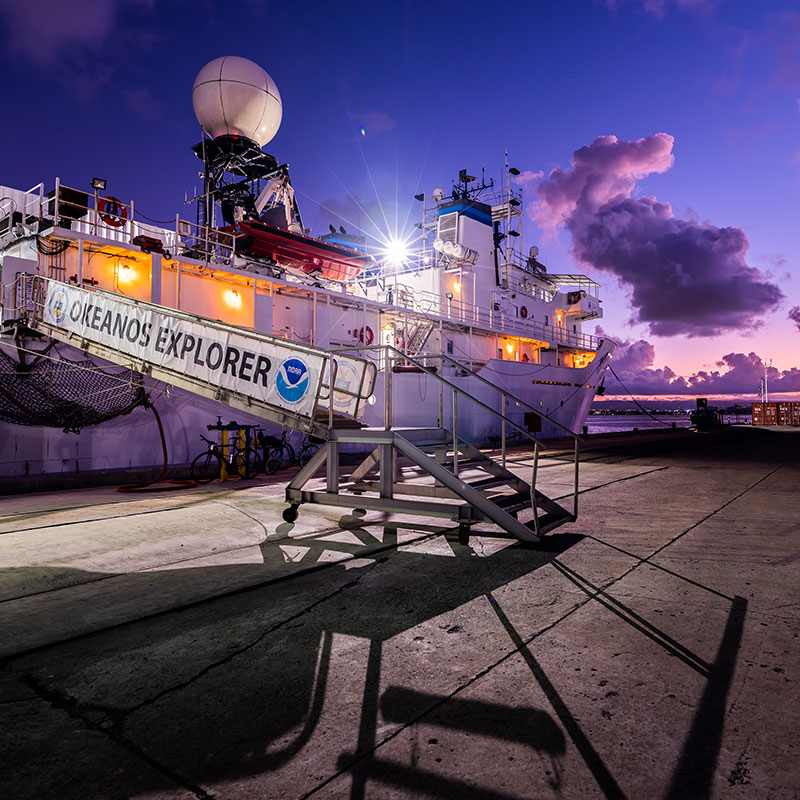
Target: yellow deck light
(233, 298)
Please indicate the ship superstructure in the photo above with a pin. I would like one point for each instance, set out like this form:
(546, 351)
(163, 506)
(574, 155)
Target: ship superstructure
(467, 303)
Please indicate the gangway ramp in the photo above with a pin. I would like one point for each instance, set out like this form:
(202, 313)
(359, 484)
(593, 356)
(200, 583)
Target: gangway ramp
(278, 380)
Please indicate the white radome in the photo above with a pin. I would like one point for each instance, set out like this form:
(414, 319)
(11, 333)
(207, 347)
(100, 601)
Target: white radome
(234, 96)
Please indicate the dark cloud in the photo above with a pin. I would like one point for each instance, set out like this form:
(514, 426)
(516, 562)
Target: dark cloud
(686, 277)
(739, 374)
(794, 315)
(71, 40)
(42, 31)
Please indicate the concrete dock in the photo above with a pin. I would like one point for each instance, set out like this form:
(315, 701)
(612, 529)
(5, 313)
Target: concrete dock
(191, 644)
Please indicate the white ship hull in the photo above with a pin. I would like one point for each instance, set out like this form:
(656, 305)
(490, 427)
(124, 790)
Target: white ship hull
(498, 314)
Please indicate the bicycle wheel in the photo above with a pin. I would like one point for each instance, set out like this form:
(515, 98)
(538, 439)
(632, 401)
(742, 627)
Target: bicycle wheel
(306, 453)
(248, 463)
(274, 460)
(206, 467)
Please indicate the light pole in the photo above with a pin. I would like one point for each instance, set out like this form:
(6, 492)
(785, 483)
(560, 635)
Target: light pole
(766, 392)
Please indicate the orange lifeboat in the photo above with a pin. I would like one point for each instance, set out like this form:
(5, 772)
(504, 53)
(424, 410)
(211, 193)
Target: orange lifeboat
(296, 251)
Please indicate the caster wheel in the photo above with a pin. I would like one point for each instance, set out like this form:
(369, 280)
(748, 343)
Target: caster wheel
(290, 514)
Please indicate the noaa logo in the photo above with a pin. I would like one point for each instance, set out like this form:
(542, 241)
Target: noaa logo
(292, 380)
(57, 306)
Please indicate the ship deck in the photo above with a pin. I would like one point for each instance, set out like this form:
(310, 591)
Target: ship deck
(187, 644)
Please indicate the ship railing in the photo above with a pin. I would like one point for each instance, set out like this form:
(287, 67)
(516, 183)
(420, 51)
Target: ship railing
(86, 213)
(428, 303)
(389, 356)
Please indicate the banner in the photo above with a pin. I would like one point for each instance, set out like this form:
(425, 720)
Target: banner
(278, 374)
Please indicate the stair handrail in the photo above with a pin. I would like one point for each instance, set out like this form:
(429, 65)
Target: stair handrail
(401, 356)
(504, 394)
(537, 444)
(510, 396)
(575, 437)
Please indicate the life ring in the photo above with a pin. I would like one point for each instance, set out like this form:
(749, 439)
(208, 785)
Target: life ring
(112, 212)
(523, 312)
(366, 336)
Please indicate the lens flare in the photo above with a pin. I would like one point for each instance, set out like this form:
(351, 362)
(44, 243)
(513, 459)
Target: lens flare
(396, 251)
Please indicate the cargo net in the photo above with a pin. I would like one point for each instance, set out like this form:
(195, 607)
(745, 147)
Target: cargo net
(45, 389)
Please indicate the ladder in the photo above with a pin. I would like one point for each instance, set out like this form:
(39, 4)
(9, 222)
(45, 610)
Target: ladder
(418, 337)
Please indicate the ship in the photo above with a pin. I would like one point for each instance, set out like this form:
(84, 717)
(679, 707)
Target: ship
(462, 303)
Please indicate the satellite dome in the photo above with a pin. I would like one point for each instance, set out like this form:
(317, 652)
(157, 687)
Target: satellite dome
(233, 96)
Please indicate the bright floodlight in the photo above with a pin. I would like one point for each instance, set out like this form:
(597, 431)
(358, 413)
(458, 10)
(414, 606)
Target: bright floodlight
(396, 252)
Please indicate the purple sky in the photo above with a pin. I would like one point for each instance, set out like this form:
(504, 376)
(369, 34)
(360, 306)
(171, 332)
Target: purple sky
(659, 139)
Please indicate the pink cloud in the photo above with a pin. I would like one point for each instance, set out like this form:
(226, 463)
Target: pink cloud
(605, 169)
(686, 276)
(740, 374)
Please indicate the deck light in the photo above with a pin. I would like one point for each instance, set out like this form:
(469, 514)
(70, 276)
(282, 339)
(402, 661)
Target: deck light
(125, 273)
(99, 184)
(457, 286)
(510, 347)
(233, 298)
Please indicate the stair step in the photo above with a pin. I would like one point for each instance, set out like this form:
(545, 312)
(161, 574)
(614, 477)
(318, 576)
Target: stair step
(489, 483)
(511, 503)
(550, 521)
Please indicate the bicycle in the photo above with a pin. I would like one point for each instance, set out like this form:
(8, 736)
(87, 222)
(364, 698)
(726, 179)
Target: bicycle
(244, 462)
(309, 447)
(279, 450)
(276, 450)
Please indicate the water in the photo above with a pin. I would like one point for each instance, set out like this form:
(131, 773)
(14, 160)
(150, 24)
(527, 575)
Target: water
(613, 423)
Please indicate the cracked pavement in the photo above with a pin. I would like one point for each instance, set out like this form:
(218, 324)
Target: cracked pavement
(198, 647)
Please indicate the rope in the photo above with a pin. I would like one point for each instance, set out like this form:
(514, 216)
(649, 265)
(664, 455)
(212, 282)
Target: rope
(638, 404)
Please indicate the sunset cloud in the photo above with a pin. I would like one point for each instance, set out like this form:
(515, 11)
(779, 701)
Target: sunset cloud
(794, 315)
(686, 277)
(739, 374)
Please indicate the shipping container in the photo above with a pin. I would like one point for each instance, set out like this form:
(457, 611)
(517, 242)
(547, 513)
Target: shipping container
(765, 414)
(784, 413)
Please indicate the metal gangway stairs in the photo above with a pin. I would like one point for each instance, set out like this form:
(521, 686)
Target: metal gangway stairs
(423, 471)
(434, 471)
